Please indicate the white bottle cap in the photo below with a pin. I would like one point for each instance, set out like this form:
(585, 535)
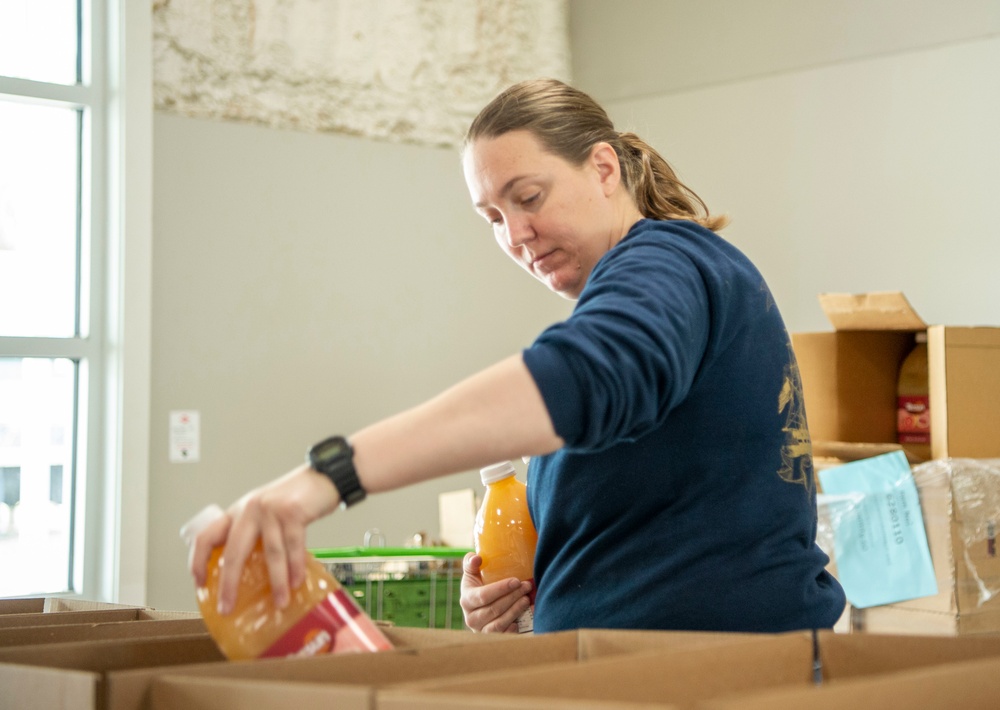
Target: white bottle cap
(208, 515)
(497, 472)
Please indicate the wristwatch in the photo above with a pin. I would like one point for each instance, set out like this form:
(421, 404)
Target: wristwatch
(333, 458)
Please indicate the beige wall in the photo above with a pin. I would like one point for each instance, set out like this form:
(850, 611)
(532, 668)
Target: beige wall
(306, 285)
(854, 144)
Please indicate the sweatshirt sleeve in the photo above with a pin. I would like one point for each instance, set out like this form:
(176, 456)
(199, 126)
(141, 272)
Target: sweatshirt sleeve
(631, 349)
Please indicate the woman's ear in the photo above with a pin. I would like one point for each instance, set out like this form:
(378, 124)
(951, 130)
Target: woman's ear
(604, 159)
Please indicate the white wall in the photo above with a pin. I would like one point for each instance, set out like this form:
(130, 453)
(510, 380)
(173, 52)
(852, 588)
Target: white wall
(864, 159)
(306, 285)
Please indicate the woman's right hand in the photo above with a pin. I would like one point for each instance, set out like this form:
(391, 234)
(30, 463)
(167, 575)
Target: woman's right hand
(491, 607)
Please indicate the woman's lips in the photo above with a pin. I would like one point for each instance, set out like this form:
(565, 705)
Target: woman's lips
(544, 262)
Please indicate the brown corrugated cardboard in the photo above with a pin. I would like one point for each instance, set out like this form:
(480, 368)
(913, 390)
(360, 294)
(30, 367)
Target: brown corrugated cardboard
(973, 685)
(10, 621)
(63, 618)
(849, 376)
(189, 693)
(77, 675)
(688, 678)
(351, 681)
(116, 674)
(61, 633)
(34, 605)
(178, 693)
(586, 669)
(891, 619)
(965, 388)
(506, 651)
(39, 605)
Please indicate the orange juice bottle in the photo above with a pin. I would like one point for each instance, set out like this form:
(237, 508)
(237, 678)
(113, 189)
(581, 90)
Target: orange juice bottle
(913, 413)
(321, 617)
(505, 536)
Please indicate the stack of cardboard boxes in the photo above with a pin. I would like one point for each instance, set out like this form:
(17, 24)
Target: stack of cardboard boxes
(133, 661)
(849, 379)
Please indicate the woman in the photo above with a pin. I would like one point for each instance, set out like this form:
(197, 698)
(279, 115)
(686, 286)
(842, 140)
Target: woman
(671, 478)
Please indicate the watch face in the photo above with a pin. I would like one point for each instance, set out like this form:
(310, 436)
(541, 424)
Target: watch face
(330, 449)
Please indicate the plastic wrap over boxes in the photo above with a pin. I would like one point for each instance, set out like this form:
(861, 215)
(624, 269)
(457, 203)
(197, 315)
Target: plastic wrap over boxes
(960, 503)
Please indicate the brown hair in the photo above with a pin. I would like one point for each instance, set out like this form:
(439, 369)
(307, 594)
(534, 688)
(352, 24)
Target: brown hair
(568, 123)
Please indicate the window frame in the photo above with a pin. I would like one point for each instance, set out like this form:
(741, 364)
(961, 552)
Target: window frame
(112, 345)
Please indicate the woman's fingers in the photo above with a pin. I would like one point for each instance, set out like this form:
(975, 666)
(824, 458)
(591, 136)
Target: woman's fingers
(201, 546)
(496, 606)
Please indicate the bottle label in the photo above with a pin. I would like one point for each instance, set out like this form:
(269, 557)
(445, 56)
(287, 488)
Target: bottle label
(913, 419)
(334, 625)
(526, 621)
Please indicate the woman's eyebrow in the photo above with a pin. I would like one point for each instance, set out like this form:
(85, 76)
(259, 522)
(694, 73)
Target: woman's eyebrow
(508, 186)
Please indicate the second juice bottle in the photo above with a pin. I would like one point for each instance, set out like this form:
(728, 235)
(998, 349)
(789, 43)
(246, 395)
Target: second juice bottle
(505, 535)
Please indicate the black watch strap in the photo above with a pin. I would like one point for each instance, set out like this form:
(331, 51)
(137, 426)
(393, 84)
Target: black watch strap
(334, 458)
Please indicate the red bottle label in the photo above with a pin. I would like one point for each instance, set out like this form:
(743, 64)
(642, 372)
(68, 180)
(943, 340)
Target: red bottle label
(913, 420)
(334, 625)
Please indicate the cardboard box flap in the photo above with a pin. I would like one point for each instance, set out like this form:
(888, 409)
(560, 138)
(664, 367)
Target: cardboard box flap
(884, 310)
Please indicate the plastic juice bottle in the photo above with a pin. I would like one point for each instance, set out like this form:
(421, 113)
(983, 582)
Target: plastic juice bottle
(321, 617)
(913, 414)
(505, 535)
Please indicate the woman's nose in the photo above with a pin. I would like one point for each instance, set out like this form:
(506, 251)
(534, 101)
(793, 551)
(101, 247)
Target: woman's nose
(519, 231)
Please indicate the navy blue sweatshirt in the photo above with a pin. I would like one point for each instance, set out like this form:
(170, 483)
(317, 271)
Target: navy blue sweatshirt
(684, 496)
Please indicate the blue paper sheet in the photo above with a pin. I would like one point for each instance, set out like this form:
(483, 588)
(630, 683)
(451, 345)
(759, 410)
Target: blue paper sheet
(880, 543)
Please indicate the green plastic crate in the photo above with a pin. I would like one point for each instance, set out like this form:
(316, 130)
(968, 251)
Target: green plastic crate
(408, 586)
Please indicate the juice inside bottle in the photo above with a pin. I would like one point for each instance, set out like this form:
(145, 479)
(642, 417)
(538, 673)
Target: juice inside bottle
(505, 536)
(913, 416)
(321, 617)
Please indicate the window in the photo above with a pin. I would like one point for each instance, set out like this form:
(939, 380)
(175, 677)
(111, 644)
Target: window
(63, 206)
(48, 110)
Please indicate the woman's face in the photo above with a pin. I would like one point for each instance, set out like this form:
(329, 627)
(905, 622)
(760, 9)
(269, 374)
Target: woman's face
(554, 219)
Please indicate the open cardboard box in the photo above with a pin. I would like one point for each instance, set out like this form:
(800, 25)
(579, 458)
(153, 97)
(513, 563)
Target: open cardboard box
(352, 681)
(115, 674)
(970, 685)
(77, 675)
(144, 623)
(65, 618)
(687, 678)
(849, 378)
(46, 605)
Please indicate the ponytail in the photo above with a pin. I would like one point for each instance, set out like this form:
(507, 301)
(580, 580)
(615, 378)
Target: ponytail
(655, 187)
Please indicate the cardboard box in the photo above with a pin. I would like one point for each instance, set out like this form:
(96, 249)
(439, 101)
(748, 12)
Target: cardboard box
(973, 685)
(583, 669)
(960, 504)
(688, 678)
(11, 621)
(849, 377)
(46, 605)
(352, 681)
(147, 624)
(115, 674)
(80, 674)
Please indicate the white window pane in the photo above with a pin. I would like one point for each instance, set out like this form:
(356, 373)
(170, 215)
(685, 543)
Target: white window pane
(38, 220)
(36, 403)
(38, 40)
